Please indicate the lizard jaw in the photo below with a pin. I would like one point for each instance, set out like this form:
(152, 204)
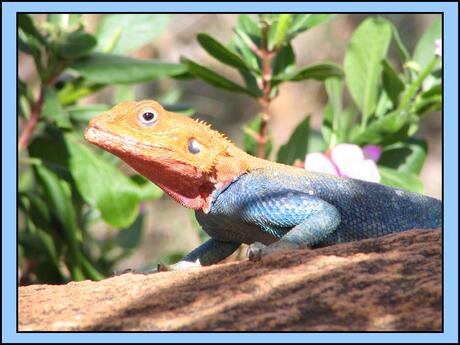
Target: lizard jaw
(188, 187)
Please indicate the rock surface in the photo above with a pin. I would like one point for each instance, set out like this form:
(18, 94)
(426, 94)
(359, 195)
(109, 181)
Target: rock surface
(389, 283)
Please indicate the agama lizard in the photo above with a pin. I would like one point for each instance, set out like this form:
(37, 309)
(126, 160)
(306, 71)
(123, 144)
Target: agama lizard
(239, 198)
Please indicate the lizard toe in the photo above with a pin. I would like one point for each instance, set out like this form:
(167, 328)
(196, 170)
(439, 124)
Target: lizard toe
(256, 251)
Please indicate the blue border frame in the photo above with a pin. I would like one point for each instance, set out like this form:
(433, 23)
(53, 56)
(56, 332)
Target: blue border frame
(9, 274)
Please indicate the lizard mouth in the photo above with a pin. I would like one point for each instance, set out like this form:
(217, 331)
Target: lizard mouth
(114, 142)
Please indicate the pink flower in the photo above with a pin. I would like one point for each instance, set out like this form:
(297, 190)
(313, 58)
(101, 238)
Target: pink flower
(347, 160)
(438, 47)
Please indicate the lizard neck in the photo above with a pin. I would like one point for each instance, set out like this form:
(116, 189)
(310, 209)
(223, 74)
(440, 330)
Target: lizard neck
(189, 186)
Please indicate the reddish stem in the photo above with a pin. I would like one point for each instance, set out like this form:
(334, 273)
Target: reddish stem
(264, 101)
(31, 123)
(35, 112)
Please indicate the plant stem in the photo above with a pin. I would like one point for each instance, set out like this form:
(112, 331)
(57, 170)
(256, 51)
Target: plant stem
(35, 112)
(31, 123)
(266, 56)
(412, 90)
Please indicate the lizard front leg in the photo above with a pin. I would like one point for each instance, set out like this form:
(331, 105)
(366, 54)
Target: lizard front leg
(209, 253)
(320, 220)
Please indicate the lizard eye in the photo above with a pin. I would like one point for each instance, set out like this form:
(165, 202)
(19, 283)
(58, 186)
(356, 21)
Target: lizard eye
(148, 117)
(193, 146)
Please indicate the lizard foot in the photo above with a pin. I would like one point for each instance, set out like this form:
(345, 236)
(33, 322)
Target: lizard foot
(256, 251)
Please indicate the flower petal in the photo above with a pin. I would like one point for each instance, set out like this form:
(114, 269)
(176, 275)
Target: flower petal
(318, 162)
(372, 152)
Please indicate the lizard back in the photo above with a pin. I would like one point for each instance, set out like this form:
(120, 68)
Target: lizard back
(366, 209)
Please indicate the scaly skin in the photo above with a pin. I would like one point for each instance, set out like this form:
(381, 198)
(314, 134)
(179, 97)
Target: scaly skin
(239, 198)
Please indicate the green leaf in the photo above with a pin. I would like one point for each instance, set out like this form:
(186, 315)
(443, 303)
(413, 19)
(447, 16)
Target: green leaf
(250, 143)
(44, 251)
(332, 112)
(284, 61)
(334, 89)
(75, 45)
(184, 109)
(241, 47)
(390, 128)
(304, 22)
(84, 113)
(385, 105)
(326, 127)
(220, 52)
(428, 104)
(278, 31)
(320, 71)
(249, 27)
(213, 78)
(398, 179)
(363, 63)
(392, 84)
(28, 44)
(297, 145)
(130, 237)
(435, 90)
(115, 69)
(248, 34)
(25, 181)
(407, 157)
(38, 210)
(251, 83)
(345, 125)
(52, 108)
(103, 186)
(50, 148)
(403, 52)
(26, 23)
(124, 33)
(429, 100)
(424, 50)
(55, 18)
(412, 89)
(65, 20)
(146, 189)
(59, 200)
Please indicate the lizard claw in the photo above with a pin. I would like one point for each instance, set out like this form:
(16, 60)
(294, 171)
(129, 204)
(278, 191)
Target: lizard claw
(256, 251)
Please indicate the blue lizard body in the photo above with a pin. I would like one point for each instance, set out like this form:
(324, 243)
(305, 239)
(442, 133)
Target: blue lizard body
(307, 209)
(265, 204)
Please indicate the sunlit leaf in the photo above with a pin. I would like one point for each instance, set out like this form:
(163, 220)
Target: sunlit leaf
(363, 62)
(115, 69)
(398, 179)
(75, 44)
(220, 52)
(124, 33)
(408, 156)
(424, 50)
(213, 78)
(297, 145)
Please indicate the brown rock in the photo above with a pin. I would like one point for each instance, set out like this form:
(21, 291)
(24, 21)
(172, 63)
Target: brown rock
(389, 283)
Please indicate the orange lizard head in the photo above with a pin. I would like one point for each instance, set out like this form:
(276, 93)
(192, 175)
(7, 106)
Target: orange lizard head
(186, 158)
